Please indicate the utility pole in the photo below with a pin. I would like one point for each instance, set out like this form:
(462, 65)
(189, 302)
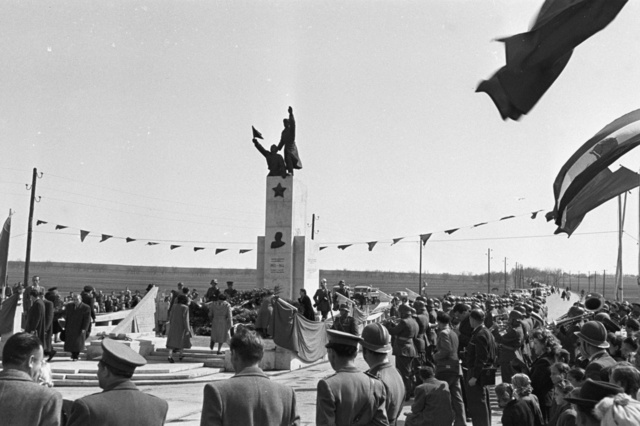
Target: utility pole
(488, 270)
(313, 225)
(589, 282)
(604, 274)
(420, 270)
(505, 274)
(30, 225)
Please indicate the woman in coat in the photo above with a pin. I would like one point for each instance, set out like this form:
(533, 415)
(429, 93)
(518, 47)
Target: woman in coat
(221, 322)
(305, 301)
(546, 346)
(179, 336)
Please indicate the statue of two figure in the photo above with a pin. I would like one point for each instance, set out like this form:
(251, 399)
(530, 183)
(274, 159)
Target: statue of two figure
(277, 166)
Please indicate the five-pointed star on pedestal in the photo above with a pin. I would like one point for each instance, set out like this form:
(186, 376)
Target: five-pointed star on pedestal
(278, 191)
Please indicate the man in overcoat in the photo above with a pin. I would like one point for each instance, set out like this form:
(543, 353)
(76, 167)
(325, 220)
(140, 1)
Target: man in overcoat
(510, 342)
(322, 299)
(36, 316)
(403, 348)
(78, 320)
(349, 397)
(249, 398)
(24, 402)
(121, 402)
(345, 322)
(480, 352)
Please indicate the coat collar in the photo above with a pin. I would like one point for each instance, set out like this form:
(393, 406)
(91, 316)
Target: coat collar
(251, 371)
(16, 375)
(124, 384)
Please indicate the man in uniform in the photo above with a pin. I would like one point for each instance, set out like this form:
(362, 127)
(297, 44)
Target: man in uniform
(403, 348)
(480, 352)
(593, 347)
(341, 290)
(230, 292)
(23, 401)
(376, 346)
(212, 292)
(249, 397)
(349, 397)
(422, 341)
(120, 403)
(322, 299)
(345, 322)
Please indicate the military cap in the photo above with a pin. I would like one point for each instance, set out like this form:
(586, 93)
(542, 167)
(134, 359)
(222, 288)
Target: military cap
(229, 282)
(376, 338)
(516, 315)
(537, 317)
(343, 306)
(88, 288)
(633, 324)
(594, 333)
(214, 281)
(120, 356)
(341, 282)
(341, 338)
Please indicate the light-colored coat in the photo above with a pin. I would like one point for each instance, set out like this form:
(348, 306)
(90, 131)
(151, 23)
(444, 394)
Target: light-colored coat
(120, 404)
(179, 328)
(249, 398)
(25, 403)
(221, 321)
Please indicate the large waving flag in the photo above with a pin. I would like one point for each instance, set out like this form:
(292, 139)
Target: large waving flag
(605, 186)
(535, 59)
(609, 144)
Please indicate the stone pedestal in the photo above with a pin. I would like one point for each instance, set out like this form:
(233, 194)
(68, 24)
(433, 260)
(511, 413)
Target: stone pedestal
(286, 254)
(143, 347)
(276, 358)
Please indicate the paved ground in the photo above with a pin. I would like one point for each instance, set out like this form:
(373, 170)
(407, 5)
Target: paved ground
(185, 401)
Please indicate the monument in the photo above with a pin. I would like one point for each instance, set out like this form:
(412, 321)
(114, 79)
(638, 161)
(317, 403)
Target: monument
(287, 256)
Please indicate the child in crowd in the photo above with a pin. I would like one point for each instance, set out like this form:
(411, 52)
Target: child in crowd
(515, 412)
(522, 390)
(564, 415)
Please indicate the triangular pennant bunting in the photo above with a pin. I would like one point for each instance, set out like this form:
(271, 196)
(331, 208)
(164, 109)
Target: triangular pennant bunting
(344, 246)
(479, 224)
(41, 222)
(173, 247)
(323, 247)
(424, 238)
(395, 240)
(243, 251)
(83, 235)
(61, 227)
(130, 239)
(150, 243)
(451, 231)
(198, 248)
(372, 244)
(105, 237)
(507, 217)
(220, 250)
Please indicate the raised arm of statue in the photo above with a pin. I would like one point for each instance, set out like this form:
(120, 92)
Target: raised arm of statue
(260, 147)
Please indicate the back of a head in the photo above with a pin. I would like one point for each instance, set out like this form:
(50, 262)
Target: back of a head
(443, 318)
(19, 348)
(627, 377)
(247, 345)
(477, 315)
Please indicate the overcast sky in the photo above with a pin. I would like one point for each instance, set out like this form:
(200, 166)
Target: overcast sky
(139, 116)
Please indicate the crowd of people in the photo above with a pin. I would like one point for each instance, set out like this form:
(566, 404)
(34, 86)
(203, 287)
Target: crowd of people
(582, 369)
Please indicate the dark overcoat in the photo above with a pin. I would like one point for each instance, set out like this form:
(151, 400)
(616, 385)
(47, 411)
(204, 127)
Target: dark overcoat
(597, 365)
(249, 398)
(321, 299)
(394, 386)
(36, 320)
(78, 319)
(120, 404)
(48, 325)
(405, 332)
(179, 328)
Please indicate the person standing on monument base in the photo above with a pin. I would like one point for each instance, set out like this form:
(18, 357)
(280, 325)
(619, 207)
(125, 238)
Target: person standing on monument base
(321, 299)
(288, 142)
(120, 402)
(78, 320)
(249, 398)
(305, 301)
(179, 334)
(376, 347)
(345, 322)
(24, 402)
(349, 397)
(212, 292)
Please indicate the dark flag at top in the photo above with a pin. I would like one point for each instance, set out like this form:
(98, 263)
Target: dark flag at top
(573, 186)
(535, 59)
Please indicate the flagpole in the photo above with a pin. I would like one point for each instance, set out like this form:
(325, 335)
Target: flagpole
(6, 267)
(420, 270)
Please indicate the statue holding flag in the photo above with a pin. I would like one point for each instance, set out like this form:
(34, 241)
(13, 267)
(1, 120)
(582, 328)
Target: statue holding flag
(278, 166)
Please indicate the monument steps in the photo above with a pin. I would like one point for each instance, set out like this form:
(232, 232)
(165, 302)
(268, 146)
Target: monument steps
(148, 375)
(197, 355)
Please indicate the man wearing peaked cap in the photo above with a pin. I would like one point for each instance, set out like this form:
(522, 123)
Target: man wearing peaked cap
(593, 346)
(120, 403)
(345, 322)
(349, 397)
(376, 346)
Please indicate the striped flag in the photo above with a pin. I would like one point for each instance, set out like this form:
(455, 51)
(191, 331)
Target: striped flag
(609, 144)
